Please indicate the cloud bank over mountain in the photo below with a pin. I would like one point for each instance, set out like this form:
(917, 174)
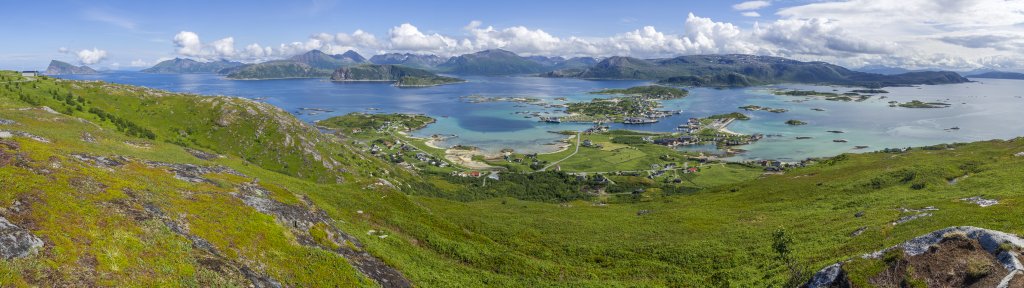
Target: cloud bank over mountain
(911, 33)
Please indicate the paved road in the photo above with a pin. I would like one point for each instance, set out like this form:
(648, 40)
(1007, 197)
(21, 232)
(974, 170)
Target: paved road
(578, 136)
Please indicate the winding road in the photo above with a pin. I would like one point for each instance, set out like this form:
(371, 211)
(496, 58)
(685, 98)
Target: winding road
(578, 136)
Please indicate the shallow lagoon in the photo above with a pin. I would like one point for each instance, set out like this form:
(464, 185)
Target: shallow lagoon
(989, 109)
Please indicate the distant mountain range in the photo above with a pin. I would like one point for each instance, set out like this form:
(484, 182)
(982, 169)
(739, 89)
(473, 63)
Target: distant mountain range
(312, 64)
(64, 68)
(884, 70)
(491, 62)
(402, 75)
(407, 59)
(185, 66)
(695, 70)
(745, 70)
(998, 75)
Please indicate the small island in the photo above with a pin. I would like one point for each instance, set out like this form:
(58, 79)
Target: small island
(402, 76)
(848, 96)
(760, 108)
(651, 91)
(628, 110)
(733, 115)
(794, 122)
(639, 105)
(870, 91)
(359, 122)
(920, 104)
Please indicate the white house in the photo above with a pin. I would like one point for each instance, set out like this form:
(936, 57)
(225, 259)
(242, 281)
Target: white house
(29, 73)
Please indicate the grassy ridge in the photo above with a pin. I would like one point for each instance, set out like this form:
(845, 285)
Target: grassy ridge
(263, 134)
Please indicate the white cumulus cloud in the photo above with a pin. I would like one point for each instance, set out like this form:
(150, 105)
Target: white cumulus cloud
(949, 34)
(93, 56)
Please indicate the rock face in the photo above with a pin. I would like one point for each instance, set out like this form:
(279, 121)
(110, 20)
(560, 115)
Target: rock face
(16, 242)
(193, 173)
(828, 277)
(407, 59)
(64, 68)
(304, 217)
(1001, 246)
(403, 76)
(374, 72)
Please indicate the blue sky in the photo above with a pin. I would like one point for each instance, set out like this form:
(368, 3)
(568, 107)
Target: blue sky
(134, 34)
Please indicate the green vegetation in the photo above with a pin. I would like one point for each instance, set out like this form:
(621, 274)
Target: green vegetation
(869, 91)
(417, 81)
(641, 102)
(733, 115)
(371, 122)
(919, 104)
(760, 108)
(179, 65)
(135, 223)
(277, 70)
(805, 93)
(403, 76)
(615, 109)
(312, 64)
(651, 91)
(849, 96)
(490, 62)
(794, 122)
(745, 70)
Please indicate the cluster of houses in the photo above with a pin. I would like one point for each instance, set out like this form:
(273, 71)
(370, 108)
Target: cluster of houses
(598, 128)
(779, 166)
(399, 156)
(721, 138)
(530, 158)
(691, 126)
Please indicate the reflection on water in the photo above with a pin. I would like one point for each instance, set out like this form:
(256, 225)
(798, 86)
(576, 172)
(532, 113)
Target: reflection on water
(982, 110)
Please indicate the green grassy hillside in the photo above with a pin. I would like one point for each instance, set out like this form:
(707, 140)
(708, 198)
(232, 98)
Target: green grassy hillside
(268, 210)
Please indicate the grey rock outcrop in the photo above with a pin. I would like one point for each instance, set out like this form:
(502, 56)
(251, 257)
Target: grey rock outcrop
(16, 242)
(994, 242)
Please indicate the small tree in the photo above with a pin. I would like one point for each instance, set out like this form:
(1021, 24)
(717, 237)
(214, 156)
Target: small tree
(781, 245)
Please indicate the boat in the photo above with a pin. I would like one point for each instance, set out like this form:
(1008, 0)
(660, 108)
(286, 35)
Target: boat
(835, 131)
(954, 128)
(803, 137)
(860, 147)
(840, 141)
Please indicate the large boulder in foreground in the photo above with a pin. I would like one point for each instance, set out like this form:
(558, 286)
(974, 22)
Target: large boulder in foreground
(961, 256)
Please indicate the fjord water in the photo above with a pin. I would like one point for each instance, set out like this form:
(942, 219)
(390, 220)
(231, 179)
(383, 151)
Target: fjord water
(989, 109)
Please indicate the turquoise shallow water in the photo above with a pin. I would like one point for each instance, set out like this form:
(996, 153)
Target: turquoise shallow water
(990, 109)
